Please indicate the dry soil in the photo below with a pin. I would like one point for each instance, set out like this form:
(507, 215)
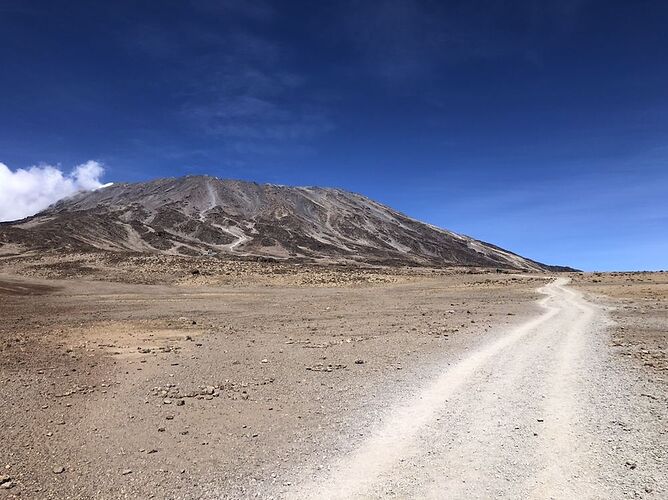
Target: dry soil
(256, 380)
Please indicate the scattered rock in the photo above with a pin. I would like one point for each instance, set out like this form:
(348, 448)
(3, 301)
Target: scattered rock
(58, 470)
(126, 472)
(320, 367)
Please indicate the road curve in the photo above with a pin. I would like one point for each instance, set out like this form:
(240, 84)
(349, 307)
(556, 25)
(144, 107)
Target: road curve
(515, 418)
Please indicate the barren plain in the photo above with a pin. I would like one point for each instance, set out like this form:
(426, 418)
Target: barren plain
(160, 377)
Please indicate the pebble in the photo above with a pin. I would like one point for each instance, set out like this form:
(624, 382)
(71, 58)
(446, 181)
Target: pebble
(58, 470)
(126, 472)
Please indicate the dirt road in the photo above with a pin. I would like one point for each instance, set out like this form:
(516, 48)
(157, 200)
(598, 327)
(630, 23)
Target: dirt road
(536, 412)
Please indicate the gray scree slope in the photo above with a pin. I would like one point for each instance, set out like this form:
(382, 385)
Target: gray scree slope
(202, 215)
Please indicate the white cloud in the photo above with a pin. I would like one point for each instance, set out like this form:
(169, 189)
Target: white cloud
(25, 192)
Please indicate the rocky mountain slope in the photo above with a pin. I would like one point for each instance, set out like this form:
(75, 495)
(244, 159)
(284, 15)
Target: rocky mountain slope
(202, 215)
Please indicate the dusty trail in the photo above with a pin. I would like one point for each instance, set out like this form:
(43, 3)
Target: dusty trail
(520, 417)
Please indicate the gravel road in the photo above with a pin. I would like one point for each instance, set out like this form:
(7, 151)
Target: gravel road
(538, 411)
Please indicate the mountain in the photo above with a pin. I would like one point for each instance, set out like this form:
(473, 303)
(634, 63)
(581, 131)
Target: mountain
(202, 215)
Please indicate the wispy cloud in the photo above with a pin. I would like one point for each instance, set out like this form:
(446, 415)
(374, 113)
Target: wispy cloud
(257, 9)
(409, 39)
(252, 101)
(249, 117)
(235, 84)
(24, 192)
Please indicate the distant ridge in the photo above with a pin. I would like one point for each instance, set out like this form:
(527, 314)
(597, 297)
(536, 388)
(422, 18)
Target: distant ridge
(202, 215)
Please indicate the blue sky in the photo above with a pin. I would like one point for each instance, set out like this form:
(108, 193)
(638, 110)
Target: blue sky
(537, 126)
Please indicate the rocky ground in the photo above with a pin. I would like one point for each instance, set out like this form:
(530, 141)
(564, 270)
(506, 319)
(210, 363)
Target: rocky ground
(185, 378)
(115, 390)
(638, 303)
(158, 269)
